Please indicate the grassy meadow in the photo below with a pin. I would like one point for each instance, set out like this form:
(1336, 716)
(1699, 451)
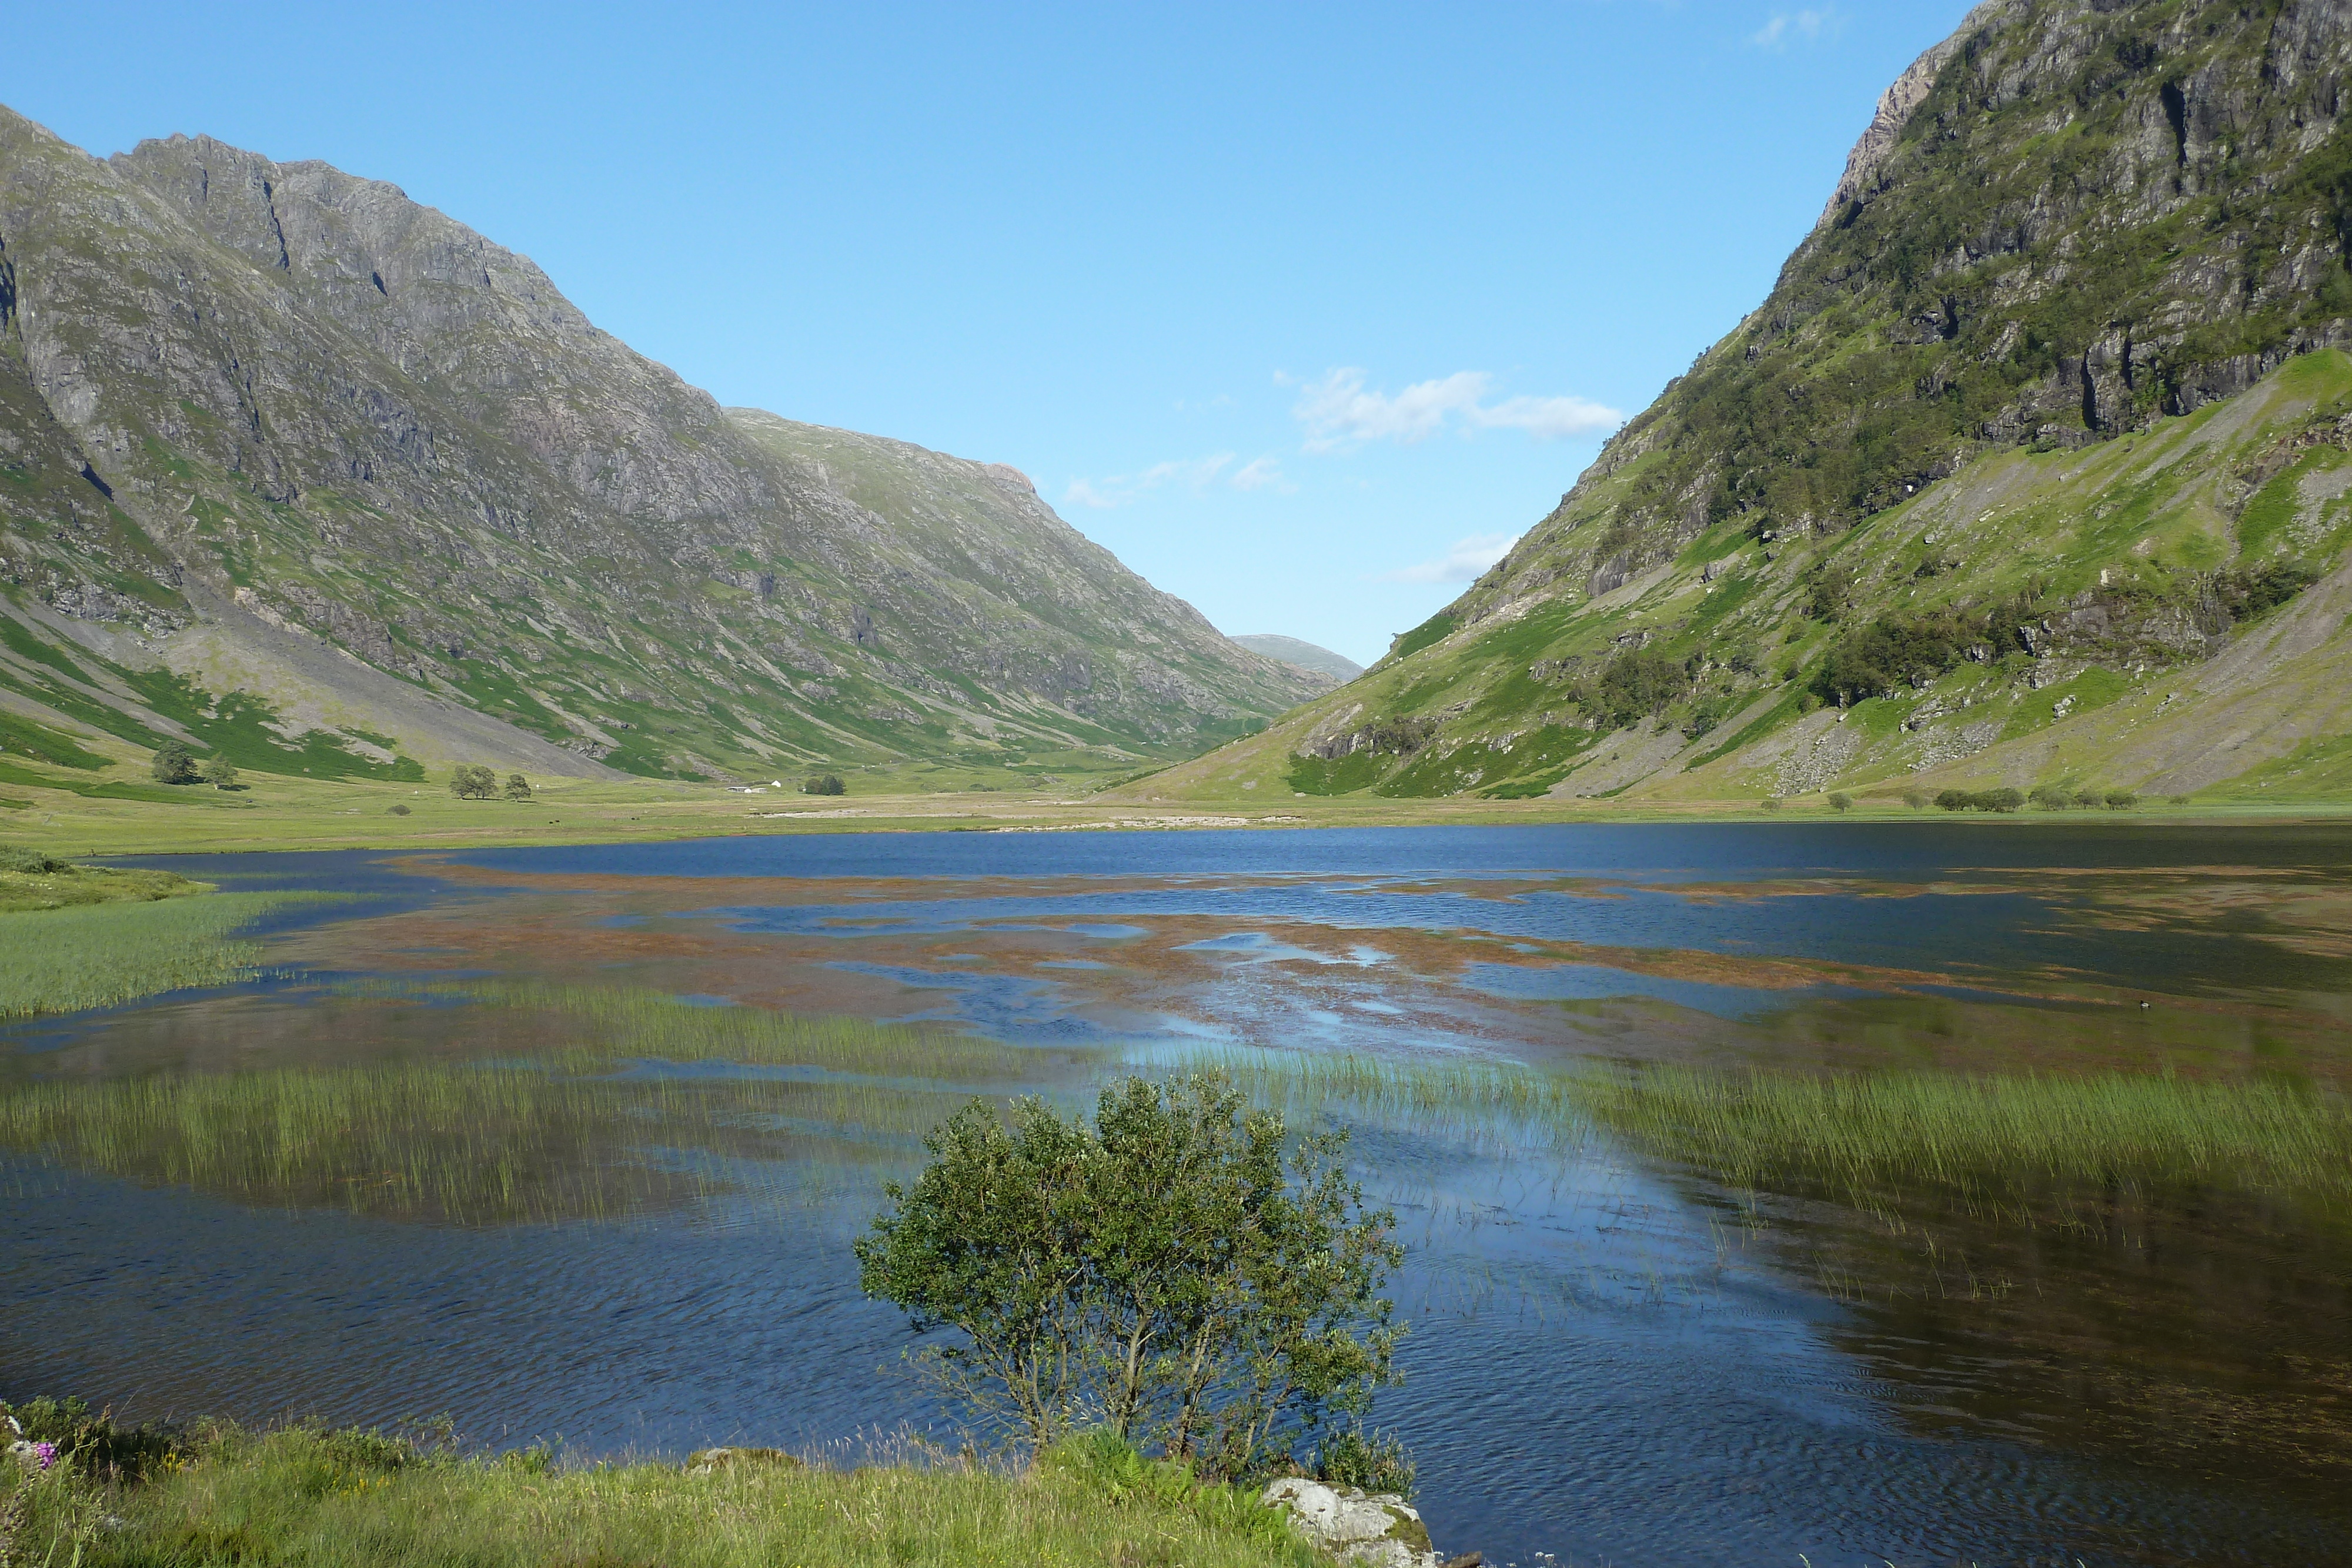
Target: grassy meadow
(325, 1499)
(276, 812)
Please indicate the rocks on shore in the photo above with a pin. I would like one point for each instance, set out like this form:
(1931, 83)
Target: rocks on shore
(1374, 1530)
(710, 1461)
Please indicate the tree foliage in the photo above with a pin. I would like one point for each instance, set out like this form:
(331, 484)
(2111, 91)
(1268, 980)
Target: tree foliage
(1179, 1270)
(471, 782)
(172, 764)
(823, 784)
(220, 773)
(518, 788)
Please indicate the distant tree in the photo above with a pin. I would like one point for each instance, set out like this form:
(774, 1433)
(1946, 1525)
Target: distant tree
(1955, 799)
(172, 764)
(471, 782)
(2121, 800)
(220, 772)
(2003, 799)
(1771, 802)
(1917, 799)
(2087, 798)
(2179, 800)
(395, 811)
(517, 787)
(823, 784)
(1840, 801)
(2052, 797)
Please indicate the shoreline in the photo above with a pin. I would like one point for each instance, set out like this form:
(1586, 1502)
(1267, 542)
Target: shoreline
(278, 815)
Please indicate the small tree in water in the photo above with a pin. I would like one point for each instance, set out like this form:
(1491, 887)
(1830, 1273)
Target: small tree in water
(1166, 1271)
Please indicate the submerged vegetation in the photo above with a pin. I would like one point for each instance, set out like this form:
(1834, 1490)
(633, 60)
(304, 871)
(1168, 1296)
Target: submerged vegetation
(95, 955)
(217, 1494)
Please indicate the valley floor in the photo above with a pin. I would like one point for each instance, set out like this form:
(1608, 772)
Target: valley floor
(278, 814)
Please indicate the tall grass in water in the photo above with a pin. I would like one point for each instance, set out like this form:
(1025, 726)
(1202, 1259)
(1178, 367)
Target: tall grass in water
(621, 1023)
(450, 1143)
(96, 956)
(1963, 1130)
(1755, 1125)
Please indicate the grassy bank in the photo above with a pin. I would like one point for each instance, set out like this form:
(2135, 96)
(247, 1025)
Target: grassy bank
(326, 1499)
(99, 955)
(31, 880)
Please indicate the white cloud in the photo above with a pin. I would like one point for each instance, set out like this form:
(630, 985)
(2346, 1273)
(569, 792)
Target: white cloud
(1338, 412)
(1196, 473)
(1262, 474)
(1465, 563)
(1811, 25)
(1549, 418)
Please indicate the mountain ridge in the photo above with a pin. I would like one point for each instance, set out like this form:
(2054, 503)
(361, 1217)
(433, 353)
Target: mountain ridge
(248, 402)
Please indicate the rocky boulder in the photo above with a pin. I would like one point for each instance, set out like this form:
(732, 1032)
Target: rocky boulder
(1377, 1529)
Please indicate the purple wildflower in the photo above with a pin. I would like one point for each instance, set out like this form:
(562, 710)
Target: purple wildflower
(47, 1453)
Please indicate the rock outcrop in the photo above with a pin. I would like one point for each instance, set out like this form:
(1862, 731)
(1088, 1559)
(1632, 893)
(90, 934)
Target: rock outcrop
(1374, 1530)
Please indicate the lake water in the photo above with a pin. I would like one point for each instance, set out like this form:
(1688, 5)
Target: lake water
(1613, 1359)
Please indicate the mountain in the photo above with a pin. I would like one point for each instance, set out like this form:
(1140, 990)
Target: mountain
(2030, 470)
(296, 468)
(1306, 655)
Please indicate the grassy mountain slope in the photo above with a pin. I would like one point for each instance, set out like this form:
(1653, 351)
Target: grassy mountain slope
(2031, 466)
(1306, 655)
(287, 454)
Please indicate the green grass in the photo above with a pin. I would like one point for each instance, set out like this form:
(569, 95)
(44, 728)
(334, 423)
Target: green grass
(96, 956)
(67, 886)
(451, 1143)
(549, 1115)
(327, 1499)
(1757, 1127)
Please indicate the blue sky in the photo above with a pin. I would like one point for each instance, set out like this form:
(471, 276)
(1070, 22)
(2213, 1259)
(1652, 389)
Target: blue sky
(1302, 309)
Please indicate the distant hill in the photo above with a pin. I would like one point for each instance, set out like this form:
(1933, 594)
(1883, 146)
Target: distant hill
(2035, 467)
(1306, 655)
(295, 467)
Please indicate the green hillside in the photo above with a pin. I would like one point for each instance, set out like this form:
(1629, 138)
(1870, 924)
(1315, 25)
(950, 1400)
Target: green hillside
(296, 469)
(2030, 470)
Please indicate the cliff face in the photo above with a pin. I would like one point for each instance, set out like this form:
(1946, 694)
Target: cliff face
(256, 411)
(2075, 224)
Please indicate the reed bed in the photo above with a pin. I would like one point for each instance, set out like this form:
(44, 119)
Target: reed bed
(1955, 1131)
(1757, 1126)
(622, 1023)
(98, 956)
(453, 1143)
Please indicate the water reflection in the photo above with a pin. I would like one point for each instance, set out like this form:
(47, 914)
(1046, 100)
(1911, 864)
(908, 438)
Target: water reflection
(1616, 1358)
